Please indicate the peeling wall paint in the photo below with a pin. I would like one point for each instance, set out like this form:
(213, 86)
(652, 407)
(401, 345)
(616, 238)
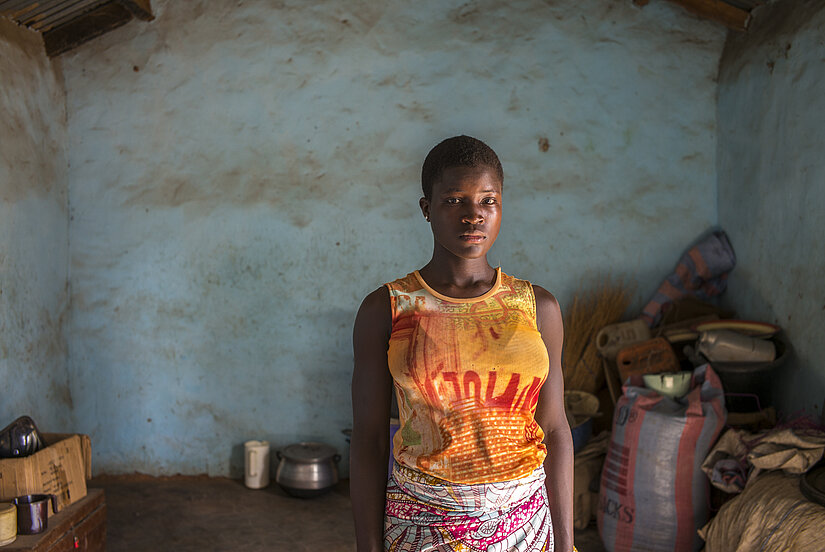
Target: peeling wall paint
(33, 234)
(242, 174)
(772, 185)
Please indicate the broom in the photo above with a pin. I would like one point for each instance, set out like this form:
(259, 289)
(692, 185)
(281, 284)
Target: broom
(590, 311)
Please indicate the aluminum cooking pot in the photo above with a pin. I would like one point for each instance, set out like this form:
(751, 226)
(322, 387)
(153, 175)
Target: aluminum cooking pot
(307, 469)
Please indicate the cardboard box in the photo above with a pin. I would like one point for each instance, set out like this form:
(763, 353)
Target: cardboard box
(85, 447)
(60, 469)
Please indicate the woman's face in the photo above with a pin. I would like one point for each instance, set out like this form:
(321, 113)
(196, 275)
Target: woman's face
(465, 211)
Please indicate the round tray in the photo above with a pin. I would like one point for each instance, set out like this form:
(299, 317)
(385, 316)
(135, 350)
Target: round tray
(747, 327)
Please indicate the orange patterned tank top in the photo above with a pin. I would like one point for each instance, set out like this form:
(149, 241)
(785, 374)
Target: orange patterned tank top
(467, 376)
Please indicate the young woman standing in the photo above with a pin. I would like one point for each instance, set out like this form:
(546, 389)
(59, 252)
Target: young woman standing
(484, 455)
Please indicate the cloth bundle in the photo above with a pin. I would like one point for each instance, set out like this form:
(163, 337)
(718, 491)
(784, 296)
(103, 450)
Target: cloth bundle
(702, 272)
(738, 457)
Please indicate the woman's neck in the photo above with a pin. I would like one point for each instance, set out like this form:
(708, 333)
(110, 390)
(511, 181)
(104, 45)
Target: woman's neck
(456, 274)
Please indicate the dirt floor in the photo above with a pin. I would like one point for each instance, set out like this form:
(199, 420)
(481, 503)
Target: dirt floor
(199, 513)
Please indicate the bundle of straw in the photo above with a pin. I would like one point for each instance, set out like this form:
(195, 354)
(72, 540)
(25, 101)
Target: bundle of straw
(590, 311)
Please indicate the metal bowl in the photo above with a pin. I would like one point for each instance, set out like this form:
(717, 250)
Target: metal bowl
(669, 384)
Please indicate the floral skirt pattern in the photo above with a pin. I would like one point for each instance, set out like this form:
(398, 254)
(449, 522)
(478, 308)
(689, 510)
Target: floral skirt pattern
(426, 514)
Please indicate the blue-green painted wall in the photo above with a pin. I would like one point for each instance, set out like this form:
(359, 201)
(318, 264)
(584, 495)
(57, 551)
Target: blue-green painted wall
(34, 245)
(772, 185)
(242, 174)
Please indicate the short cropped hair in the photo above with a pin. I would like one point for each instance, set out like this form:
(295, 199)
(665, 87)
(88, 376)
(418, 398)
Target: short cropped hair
(458, 151)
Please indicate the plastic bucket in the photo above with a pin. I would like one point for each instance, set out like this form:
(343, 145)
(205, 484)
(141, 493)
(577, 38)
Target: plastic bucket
(749, 385)
(581, 434)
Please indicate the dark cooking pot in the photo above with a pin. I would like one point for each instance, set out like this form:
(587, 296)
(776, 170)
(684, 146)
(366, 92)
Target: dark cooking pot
(307, 469)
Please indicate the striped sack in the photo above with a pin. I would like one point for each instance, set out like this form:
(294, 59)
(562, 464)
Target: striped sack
(654, 495)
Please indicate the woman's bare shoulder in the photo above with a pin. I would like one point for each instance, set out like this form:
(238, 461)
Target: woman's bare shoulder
(374, 318)
(378, 300)
(545, 299)
(548, 310)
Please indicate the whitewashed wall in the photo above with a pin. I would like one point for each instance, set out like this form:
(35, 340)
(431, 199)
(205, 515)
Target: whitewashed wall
(772, 185)
(33, 234)
(243, 173)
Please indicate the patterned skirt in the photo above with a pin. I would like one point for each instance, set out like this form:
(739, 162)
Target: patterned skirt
(424, 513)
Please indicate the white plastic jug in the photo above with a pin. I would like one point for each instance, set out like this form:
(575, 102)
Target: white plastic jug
(615, 337)
(256, 464)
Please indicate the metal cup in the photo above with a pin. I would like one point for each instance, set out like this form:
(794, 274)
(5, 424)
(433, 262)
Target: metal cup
(33, 512)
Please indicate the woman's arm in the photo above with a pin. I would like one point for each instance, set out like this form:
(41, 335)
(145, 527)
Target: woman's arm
(371, 393)
(551, 417)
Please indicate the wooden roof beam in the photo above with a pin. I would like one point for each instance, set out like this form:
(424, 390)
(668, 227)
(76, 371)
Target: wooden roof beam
(716, 10)
(142, 9)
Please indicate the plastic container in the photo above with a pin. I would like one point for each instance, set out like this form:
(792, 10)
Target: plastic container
(256, 464)
(582, 434)
(648, 357)
(731, 346)
(615, 337)
(8, 523)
